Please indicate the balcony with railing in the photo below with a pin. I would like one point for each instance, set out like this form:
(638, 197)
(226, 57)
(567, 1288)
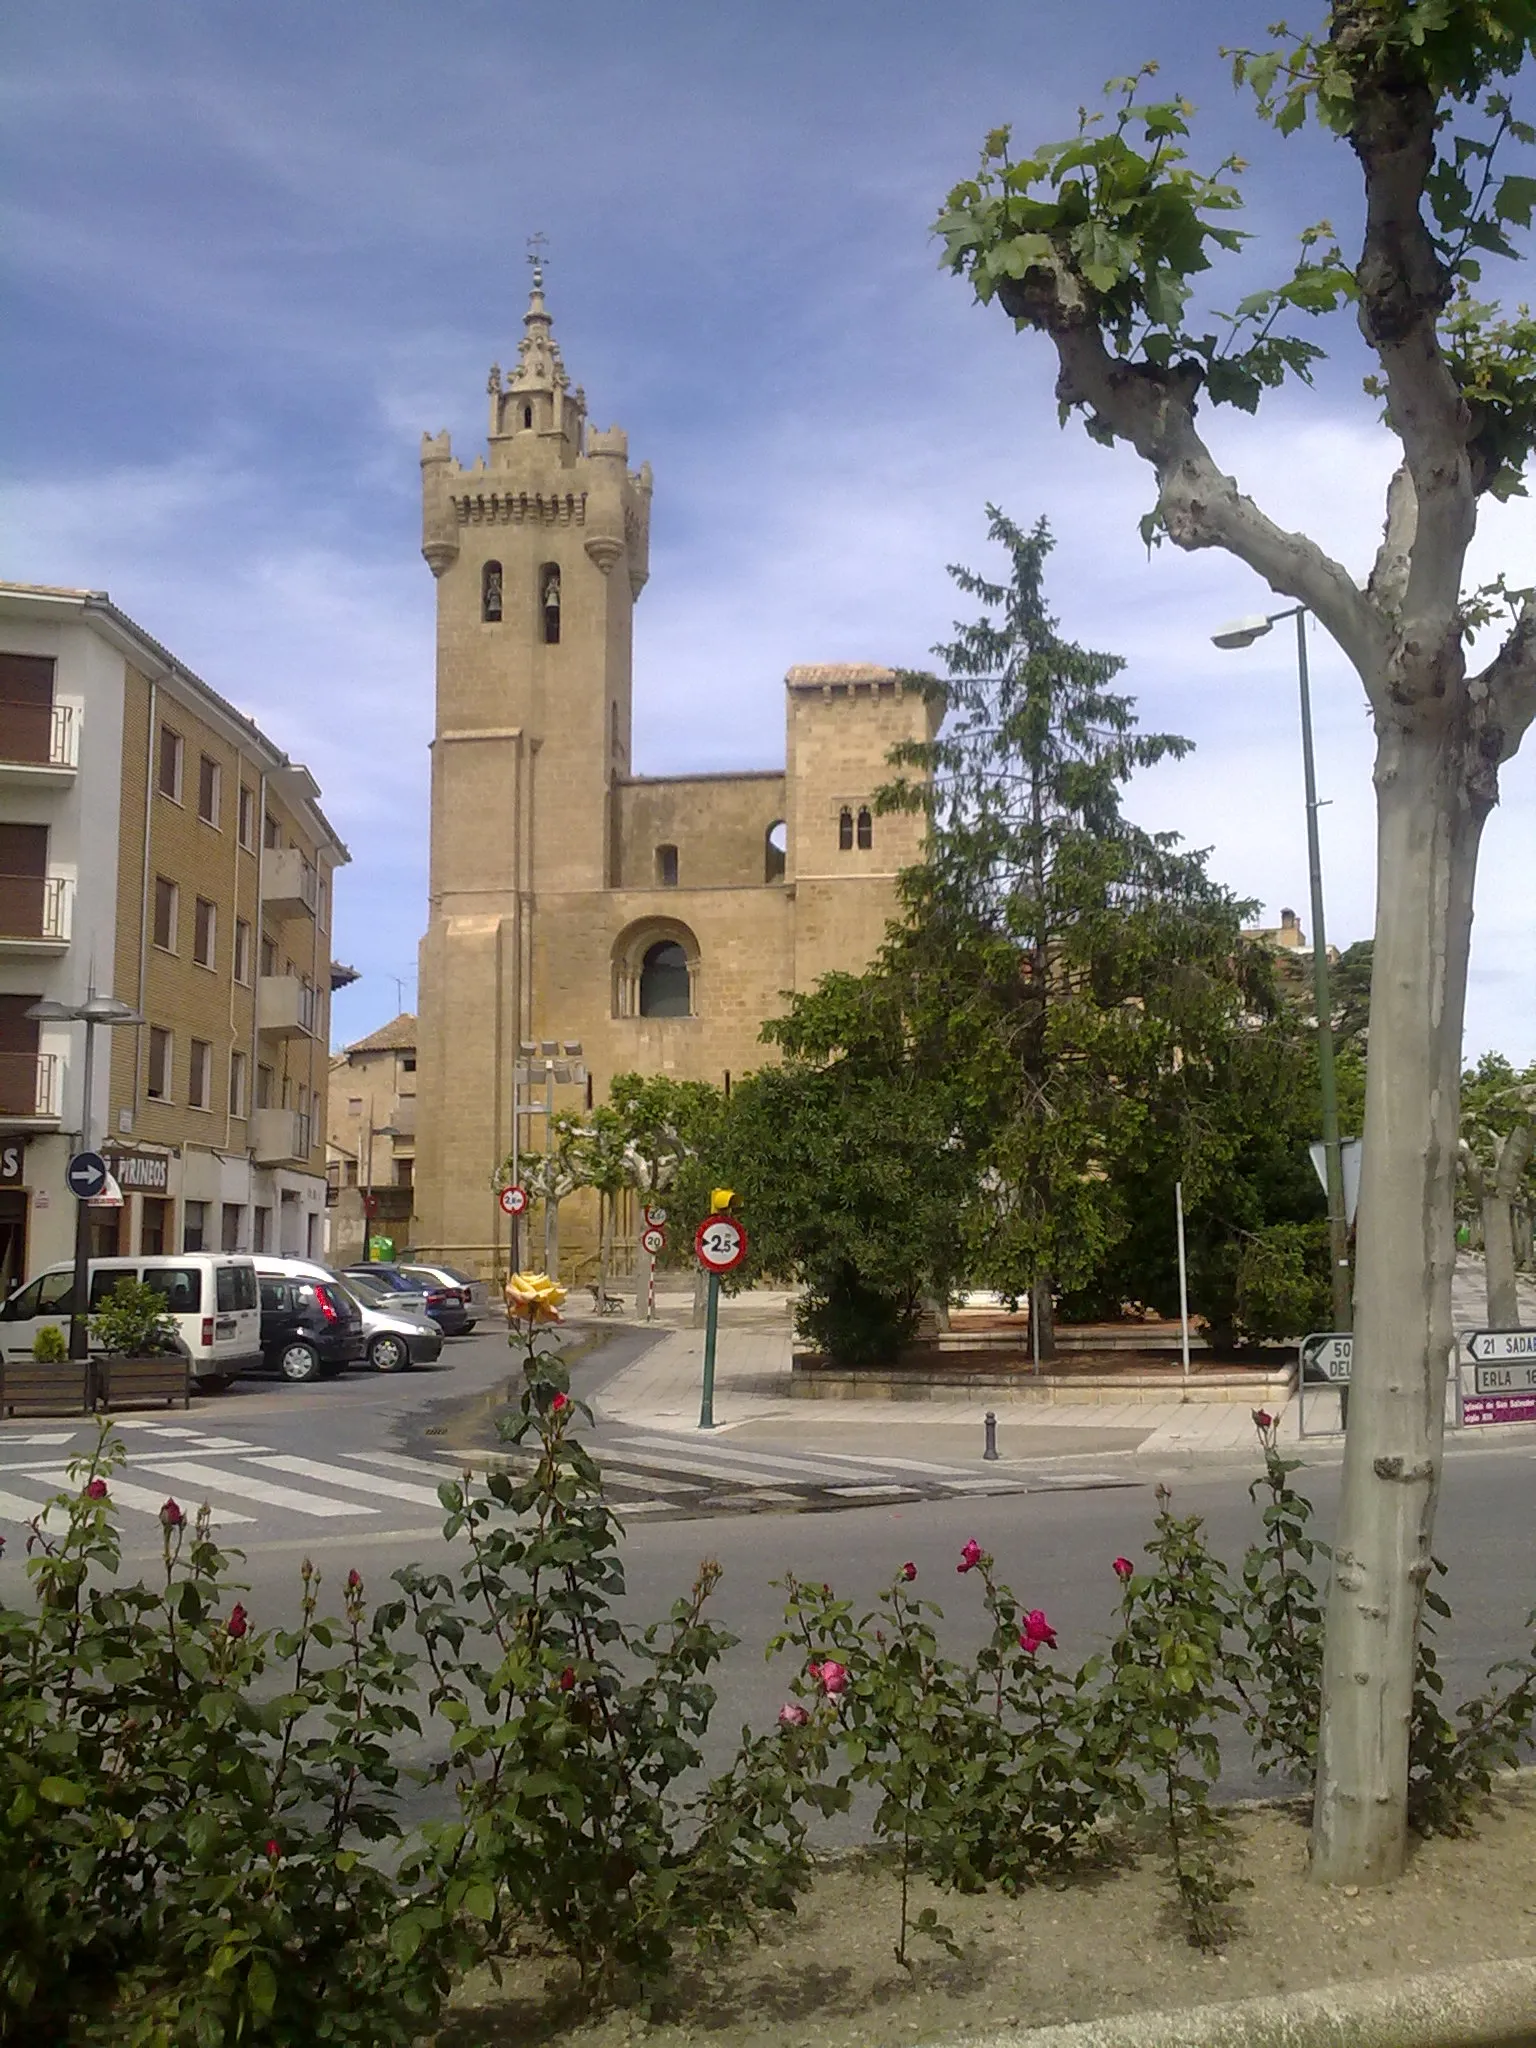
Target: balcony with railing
(34, 913)
(281, 1137)
(290, 883)
(30, 1087)
(287, 1007)
(39, 744)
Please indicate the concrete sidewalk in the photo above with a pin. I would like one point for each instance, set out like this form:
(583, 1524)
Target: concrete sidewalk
(660, 1392)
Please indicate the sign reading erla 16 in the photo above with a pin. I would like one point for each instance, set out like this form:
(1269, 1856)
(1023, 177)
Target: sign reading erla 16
(721, 1243)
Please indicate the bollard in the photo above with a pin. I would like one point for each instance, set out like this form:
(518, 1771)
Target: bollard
(991, 1428)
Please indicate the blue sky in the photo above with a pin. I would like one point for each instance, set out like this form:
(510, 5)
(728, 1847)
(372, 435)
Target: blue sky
(252, 251)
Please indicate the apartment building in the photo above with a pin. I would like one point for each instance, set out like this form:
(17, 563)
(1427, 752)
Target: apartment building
(371, 1143)
(156, 845)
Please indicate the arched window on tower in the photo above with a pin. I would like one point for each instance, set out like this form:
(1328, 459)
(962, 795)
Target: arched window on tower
(549, 603)
(527, 415)
(665, 985)
(844, 829)
(866, 831)
(490, 593)
(774, 846)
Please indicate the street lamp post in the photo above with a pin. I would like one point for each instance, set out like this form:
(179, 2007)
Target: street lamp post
(1243, 633)
(96, 1012)
(551, 1060)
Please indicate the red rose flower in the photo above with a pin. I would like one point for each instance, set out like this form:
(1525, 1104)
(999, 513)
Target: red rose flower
(172, 1515)
(273, 1852)
(970, 1556)
(1124, 1570)
(96, 1490)
(909, 1572)
(567, 1679)
(1036, 1631)
(560, 1401)
(237, 1623)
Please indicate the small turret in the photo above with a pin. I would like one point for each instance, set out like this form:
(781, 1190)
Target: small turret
(439, 527)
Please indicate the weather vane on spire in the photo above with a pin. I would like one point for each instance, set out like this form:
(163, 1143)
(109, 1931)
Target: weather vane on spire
(538, 252)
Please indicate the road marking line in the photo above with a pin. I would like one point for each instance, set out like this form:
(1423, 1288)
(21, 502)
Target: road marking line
(806, 1466)
(701, 1466)
(866, 1492)
(15, 1509)
(361, 1482)
(54, 1437)
(223, 1443)
(127, 1495)
(246, 1488)
(397, 1462)
(626, 1475)
(906, 1465)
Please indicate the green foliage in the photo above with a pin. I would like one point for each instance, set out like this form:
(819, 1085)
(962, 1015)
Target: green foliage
(850, 1165)
(1282, 1619)
(1175, 1678)
(50, 1346)
(1282, 1281)
(133, 1321)
(1452, 1758)
(1084, 980)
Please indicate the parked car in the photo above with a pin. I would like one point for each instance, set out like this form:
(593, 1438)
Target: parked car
(396, 1325)
(473, 1293)
(445, 1305)
(210, 1296)
(310, 1328)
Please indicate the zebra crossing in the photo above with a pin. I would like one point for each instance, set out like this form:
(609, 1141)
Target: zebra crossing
(256, 1490)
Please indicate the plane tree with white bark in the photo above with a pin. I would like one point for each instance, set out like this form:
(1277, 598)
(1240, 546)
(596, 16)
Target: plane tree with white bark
(1098, 243)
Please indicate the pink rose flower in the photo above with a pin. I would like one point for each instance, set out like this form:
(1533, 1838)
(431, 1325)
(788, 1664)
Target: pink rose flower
(831, 1676)
(1124, 1570)
(172, 1515)
(1036, 1631)
(96, 1490)
(792, 1715)
(970, 1556)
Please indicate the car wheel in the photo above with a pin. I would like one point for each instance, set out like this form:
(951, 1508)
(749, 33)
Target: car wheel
(211, 1383)
(299, 1361)
(389, 1354)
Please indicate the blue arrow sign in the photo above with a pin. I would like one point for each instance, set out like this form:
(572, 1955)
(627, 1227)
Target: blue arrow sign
(86, 1175)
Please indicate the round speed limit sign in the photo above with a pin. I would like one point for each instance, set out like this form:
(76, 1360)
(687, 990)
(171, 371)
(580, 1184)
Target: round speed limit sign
(653, 1241)
(514, 1201)
(721, 1243)
(655, 1217)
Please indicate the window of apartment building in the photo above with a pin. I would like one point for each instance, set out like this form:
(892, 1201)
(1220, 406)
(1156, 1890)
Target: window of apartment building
(200, 1075)
(165, 913)
(404, 1171)
(264, 1079)
(271, 834)
(194, 1226)
(229, 1227)
(208, 790)
(247, 817)
(268, 955)
(170, 763)
(349, 1173)
(242, 951)
(237, 1070)
(157, 1084)
(354, 1105)
(154, 1225)
(204, 931)
(261, 1230)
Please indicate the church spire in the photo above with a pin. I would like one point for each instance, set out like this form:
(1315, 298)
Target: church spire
(537, 396)
(539, 367)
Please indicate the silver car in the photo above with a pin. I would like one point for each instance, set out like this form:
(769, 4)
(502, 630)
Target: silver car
(396, 1327)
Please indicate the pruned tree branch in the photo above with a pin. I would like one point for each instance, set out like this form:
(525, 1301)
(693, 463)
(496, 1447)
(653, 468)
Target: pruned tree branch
(1389, 575)
(1505, 692)
(1154, 410)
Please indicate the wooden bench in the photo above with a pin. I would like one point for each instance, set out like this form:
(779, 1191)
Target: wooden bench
(27, 1388)
(137, 1382)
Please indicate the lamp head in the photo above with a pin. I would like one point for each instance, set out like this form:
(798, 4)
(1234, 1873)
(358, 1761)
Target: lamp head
(51, 1011)
(1243, 632)
(720, 1199)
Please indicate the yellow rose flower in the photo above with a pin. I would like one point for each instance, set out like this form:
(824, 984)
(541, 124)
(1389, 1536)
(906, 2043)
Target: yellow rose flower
(534, 1296)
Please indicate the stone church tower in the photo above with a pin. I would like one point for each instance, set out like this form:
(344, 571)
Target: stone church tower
(657, 920)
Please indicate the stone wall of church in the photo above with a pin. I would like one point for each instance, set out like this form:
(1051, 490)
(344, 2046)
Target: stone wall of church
(717, 825)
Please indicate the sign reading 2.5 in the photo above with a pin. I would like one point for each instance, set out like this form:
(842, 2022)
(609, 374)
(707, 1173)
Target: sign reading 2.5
(721, 1243)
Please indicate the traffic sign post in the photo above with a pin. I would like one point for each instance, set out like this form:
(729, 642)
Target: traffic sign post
(721, 1245)
(1503, 1377)
(653, 1242)
(1327, 1355)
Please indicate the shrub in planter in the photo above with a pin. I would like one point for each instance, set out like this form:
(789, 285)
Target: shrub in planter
(853, 1322)
(133, 1322)
(49, 1346)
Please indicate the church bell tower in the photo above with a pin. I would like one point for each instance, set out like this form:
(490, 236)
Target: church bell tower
(539, 550)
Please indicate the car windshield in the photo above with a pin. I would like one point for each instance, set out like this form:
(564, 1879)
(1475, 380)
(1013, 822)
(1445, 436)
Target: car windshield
(386, 1277)
(370, 1287)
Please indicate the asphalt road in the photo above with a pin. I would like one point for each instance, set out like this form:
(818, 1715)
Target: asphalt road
(391, 1440)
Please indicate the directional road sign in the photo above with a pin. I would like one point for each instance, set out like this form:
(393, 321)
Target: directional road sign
(653, 1241)
(86, 1175)
(513, 1200)
(1490, 1347)
(1506, 1379)
(721, 1243)
(1328, 1355)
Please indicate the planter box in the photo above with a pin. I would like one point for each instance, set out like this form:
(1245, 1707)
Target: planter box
(27, 1388)
(952, 1379)
(138, 1382)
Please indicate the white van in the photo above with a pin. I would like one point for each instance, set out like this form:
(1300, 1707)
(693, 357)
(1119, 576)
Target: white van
(212, 1297)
